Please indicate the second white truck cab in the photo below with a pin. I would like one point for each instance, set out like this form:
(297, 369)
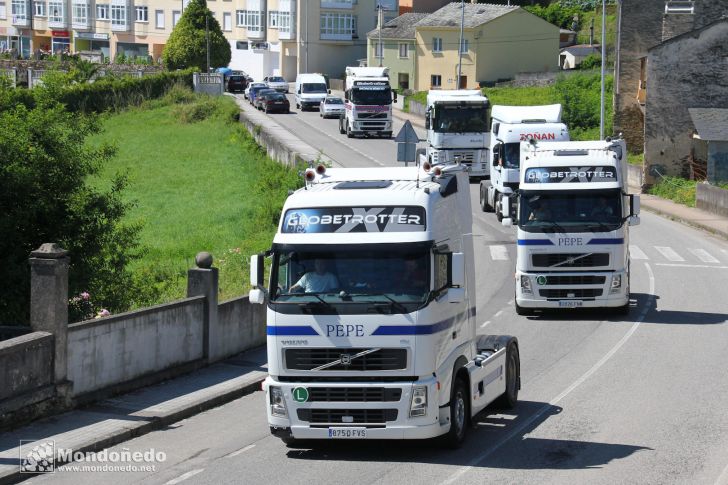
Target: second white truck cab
(368, 100)
(573, 216)
(371, 310)
(512, 125)
(457, 129)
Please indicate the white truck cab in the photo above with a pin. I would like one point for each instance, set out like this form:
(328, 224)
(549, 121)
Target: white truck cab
(368, 100)
(371, 310)
(512, 125)
(573, 216)
(311, 89)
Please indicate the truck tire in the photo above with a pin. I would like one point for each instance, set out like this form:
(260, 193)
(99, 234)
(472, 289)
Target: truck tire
(484, 197)
(498, 206)
(349, 134)
(341, 126)
(509, 398)
(459, 414)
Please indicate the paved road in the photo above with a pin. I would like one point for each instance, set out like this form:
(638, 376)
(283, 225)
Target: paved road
(640, 399)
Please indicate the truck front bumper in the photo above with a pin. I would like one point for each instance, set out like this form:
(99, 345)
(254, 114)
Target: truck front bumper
(299, 422)
(573, 290)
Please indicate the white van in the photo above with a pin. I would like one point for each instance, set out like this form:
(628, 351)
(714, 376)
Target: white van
(311, 89)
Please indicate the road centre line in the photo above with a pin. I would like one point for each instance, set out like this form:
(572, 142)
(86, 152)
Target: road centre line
(485, 323)
(456, 476)
(678, 265)
(185, 476)
(240, 451)
(498, 313)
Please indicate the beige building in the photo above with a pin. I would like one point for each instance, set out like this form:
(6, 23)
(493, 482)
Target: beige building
(499, 42)
(267, 37)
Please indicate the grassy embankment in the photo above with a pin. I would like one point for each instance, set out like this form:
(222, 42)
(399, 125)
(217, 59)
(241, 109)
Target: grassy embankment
(678, 190)
(200, 183)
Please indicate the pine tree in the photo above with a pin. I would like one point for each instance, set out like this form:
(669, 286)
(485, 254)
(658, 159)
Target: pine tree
(187, 46)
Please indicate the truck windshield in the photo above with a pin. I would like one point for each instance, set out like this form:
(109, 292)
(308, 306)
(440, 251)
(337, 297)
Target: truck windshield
(512, 155)
(371, 96)
(314, 88)
(391, 278)
(461, 119)
(582, 211)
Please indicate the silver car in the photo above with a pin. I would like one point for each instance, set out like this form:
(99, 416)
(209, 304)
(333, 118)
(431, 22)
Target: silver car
(246, 93)
(331, 107)
(277, 83)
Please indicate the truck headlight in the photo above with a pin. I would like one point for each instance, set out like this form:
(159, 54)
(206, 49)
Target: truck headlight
(277, 403)
(616, 283)
(418, 404)
(526, 284)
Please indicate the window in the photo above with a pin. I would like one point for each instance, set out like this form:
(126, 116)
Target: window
(436, 80)
(378, 50)
(142, 13)
(159, 19)
(175, 17)
(102, 11)
(403, 80)
(284, 21)
(250, 19)
(3, 11)
(40, 9)
(464, 46)
(19, 11)
(118, 15)
(437, 44)
(442, 271)
(342, 24)
(273, 19)
(80, 13)
(227, 21)
(56, 12)
(241, 45)
(404, 51)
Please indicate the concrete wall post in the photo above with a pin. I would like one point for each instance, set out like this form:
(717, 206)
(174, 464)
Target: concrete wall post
(49, 301)
(203, 280)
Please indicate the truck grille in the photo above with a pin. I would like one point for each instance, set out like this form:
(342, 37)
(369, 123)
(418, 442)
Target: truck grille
(463, 157)
(370, 116)
(379, 360)
(372, 125)
(353, 394)
(571, 293)
(575, 280)
(570, 260)
(376, 417)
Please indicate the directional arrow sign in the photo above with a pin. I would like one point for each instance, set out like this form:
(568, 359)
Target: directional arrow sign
(407, 134)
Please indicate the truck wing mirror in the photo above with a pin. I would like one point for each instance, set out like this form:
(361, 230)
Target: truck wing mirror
(394, 96)
(427, 121)
(328, 91)
(257, 264)
(634, 205)
(458, 270)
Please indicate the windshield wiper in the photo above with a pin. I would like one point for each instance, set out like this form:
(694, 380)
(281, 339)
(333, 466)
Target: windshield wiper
(554, 224)
(391, 303)
(603, 226)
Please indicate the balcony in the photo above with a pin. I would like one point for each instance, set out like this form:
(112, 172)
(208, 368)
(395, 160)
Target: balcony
(339, 4)
(20, 13)
(80, 19)
(343, 37)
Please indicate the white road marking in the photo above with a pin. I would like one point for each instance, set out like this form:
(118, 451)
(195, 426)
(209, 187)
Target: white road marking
(636, 253)
(519, 430)
(241, 450)
(485, 323)
(677, 265)
(723, 478)
(499, 253)
(184, 477)
(498, 313)
(669, 253)
(703, 255)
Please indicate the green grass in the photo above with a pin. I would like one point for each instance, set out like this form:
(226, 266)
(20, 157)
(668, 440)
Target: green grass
(525, 96)
(676, 189)
(197, 187)
(636, 159)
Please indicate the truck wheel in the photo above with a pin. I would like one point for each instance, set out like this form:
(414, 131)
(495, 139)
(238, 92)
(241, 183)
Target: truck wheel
(498, 207)
(341, 126)
(349, 134)
(459, 413)
(484, 197)
(509, 398)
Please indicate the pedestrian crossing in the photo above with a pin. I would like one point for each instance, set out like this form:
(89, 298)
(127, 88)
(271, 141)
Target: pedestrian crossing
(684, 256)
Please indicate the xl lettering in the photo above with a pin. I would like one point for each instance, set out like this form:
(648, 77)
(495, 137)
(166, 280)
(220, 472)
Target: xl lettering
(344, 330)
(570, 241)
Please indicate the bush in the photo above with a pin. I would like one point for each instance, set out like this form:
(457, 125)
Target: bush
(194, 112)
(187, 45)
(580, 95)
(592, 61)
(676, 189)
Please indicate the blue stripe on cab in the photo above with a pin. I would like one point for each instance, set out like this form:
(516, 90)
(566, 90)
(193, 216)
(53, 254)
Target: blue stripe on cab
(619, 240)
(535, 242)
(289, 331)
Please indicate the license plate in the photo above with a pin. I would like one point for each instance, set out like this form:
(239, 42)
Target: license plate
(278, 102)
(347, 433)
(570, 304)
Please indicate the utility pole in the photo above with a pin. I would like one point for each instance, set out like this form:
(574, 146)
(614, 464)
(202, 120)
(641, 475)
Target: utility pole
(380, 17)
(604, 62)
(207, 40)
(460, 48)
(306, 41)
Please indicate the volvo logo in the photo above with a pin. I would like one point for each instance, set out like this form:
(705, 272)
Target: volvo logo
(346, 359)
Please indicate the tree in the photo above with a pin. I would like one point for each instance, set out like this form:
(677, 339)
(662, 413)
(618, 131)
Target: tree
(187, 45)
(45, 196)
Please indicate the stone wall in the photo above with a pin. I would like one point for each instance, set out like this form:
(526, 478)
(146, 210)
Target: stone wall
(712, 199)
(241, 325)
(682, 74)
(26, 365)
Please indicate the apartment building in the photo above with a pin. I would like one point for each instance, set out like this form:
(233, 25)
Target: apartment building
(266, 37)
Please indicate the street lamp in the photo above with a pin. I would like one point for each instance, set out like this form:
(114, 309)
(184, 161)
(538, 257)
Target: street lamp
(460, 47)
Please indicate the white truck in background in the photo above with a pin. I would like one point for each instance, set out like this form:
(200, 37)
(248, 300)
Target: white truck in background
(368, 100)
(512, 125)
(457, 129)
(311, 89)
(573, 216)
(371, 310)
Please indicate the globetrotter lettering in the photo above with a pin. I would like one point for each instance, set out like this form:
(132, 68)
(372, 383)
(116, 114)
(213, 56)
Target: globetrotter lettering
(354, 219)
(570, 174)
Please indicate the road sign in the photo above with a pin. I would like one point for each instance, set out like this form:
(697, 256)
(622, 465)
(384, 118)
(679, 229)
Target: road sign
(406, 152)
(407, 134)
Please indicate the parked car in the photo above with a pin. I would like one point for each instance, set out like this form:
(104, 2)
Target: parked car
(252, 85)
(259, 97)
(331, 106)
(236, 84)
(275, 102)
(277, 83)
(254, 92)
